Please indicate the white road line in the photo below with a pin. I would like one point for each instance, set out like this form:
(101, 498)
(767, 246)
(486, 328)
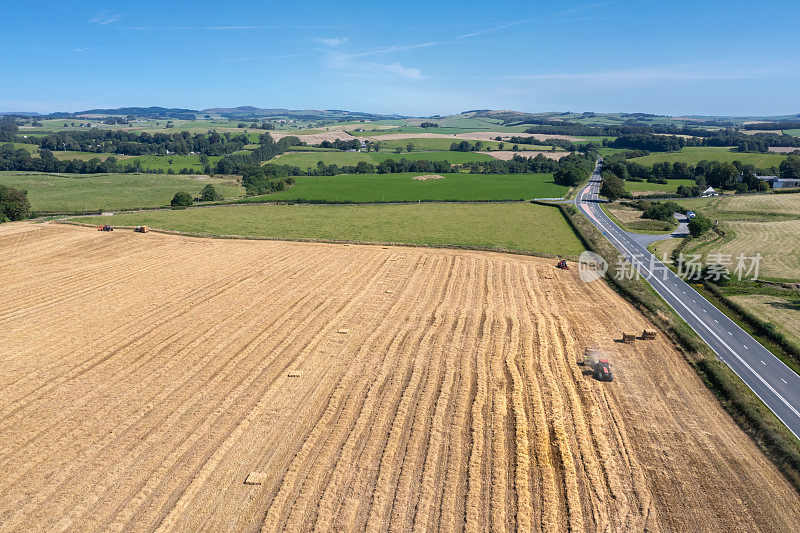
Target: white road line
(784, 381)
(745, 347)
(763, 363)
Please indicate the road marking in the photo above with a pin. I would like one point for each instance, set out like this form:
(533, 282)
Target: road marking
(784, 381)
(731, 334)
(717, 321)
(763, 363)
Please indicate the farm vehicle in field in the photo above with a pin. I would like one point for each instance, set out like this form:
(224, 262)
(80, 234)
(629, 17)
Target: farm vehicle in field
(594, 360)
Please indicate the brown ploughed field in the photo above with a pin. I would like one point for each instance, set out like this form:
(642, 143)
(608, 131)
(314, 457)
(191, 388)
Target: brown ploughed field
(154, 382)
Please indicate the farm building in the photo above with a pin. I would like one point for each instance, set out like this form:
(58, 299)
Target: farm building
(780, 183)
(710, 192)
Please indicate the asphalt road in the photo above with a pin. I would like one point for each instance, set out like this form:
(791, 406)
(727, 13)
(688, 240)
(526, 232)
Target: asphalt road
(772, 381)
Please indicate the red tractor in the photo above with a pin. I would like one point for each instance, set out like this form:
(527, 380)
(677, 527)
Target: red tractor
(562, 265)
(602, 370)
(105, 227)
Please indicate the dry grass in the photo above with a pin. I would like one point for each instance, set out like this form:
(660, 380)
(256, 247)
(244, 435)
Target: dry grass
(783, 312)
(144, 379)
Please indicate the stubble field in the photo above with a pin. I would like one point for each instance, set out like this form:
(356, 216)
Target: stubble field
(145, 377)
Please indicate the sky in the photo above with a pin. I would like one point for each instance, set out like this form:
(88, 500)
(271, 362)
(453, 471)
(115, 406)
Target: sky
(412, 58)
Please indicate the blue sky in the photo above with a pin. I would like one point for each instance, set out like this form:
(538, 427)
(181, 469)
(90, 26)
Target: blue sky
(416, 58)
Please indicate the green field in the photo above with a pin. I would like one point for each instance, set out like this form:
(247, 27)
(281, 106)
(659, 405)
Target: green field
(309, 160)
(694, 154)
(436, 143)
(81, 192)
(643, 186)
(155, 162)
(518, 226)
(401, 187)
(796, 133)
(30, 148)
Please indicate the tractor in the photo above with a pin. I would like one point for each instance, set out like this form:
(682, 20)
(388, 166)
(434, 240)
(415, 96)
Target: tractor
(602, 371)
(105, 227)
(562, 265)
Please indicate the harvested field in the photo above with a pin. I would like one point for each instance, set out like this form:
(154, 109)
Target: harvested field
(507, 155)
(427, 177)
(315, 138)
(784, 149)
(453, 403)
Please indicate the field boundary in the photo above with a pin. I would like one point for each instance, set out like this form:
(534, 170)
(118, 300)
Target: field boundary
(336, 241)
(747, 410)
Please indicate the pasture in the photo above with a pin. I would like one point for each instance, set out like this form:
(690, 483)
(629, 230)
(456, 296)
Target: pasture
(307, 160)
(443, 143)
(238, 385)
(402, 188)
(694, 154)
(518, 226)
(641, 187)
(90, 192)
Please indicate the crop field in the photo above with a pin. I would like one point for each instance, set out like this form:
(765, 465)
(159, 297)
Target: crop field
(778, 242)
(783, 312)
(518, 226)
(645, 187)
(694, 154)
(631, 219)
(85, 192)
(235, 385)
(796, 133)
(309, 160)
(402, 187)
(736, 206)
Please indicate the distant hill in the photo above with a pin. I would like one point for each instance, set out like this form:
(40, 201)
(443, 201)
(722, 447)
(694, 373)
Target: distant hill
(145, 112)
(312, 114)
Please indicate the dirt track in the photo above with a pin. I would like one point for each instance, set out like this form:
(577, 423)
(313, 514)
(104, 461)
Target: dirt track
(144, 377)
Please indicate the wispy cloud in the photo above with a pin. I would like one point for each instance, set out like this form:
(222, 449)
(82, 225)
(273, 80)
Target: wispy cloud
(87, 48)
(506, 25)
(354, 64)
(335, 41)
(105, 17)
(225, 28)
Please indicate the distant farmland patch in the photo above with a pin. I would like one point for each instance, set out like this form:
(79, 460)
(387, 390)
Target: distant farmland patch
(694, 154)
(306, 160)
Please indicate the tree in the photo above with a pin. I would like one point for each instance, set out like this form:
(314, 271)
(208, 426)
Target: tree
(209, 194)
(181, 199)
(14, 204)
(790, 167)
(612, 187)
(410, 147)
(699, 225)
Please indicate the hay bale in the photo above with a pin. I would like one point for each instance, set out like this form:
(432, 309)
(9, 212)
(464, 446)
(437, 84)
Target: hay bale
(628, 337)
(256, 478)
(343, 331)
(389, 291)
(294, 374)
(648, 334)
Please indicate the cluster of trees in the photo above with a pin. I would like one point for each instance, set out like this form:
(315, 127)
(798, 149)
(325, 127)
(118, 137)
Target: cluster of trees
(790, 167)
(466, 146)
(574, 169)
(554, 143)
(720, 175)
(144, 143)
(429, 125)
(14, 204)
(773, 126)
(339, 144)
(653, 143)
(8, 129)
(267, 179)
(268, 148)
